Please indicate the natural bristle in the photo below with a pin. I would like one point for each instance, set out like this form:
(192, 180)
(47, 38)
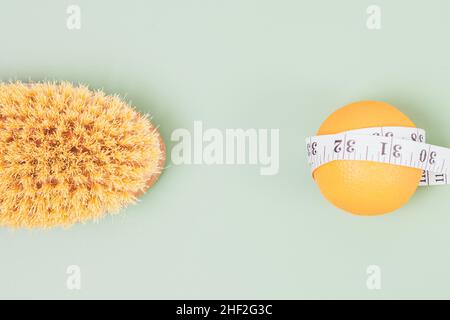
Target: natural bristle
(69, 154)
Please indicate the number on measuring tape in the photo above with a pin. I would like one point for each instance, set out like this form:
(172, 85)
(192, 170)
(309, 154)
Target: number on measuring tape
(337, 146)
(402, 146)
(350, 144)
(396, 150)
(417, 137)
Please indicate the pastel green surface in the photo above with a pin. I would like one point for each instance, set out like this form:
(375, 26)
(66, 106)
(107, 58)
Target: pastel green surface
(226, 231)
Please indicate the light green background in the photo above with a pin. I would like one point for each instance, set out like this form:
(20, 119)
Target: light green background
(225, 231)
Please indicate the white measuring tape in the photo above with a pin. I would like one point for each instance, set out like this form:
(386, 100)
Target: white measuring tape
(401, 146)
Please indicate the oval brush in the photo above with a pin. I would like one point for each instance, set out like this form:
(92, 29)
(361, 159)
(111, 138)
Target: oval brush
(69, 154)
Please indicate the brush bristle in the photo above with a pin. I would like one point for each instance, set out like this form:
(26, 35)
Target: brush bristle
(69, 154)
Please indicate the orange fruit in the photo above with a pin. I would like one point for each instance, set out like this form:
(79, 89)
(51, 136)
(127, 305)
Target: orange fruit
(366, 187)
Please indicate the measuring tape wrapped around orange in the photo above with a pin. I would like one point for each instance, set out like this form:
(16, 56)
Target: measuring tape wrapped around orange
(368, 158)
